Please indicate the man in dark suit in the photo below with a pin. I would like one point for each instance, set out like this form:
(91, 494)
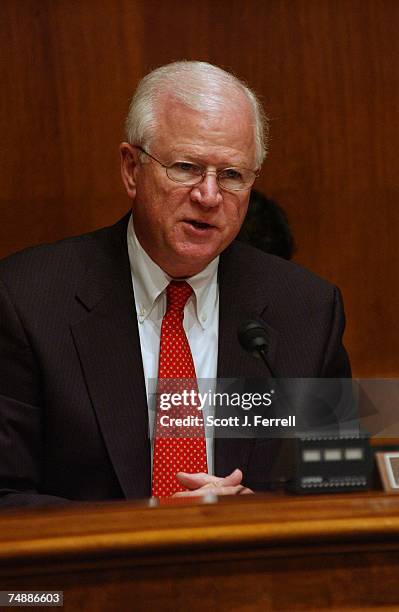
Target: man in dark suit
(80, 320)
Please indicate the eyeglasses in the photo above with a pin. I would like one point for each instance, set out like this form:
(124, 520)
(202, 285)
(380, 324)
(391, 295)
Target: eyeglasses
(187, 173)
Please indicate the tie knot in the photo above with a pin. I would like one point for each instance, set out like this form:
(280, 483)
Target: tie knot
(178, 293)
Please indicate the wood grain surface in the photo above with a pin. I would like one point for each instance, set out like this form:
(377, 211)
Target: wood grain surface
(269, 552)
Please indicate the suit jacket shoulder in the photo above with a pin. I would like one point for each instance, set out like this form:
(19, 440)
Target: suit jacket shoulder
(303, 312)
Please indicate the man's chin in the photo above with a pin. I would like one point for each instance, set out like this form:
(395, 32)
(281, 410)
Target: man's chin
(192, 259)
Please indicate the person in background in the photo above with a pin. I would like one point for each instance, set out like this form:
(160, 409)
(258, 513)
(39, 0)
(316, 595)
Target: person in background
(266, 227)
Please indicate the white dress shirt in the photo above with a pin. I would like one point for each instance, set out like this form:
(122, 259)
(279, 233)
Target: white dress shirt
(201, 321)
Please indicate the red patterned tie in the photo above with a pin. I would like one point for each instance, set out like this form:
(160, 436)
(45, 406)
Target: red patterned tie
(180, 448)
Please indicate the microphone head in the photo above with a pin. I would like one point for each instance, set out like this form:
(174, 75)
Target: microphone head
(253, 337)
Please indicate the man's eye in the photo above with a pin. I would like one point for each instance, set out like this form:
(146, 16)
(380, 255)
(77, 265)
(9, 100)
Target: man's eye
(231, 173)
(187, 167)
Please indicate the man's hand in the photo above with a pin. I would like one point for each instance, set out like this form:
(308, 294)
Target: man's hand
(201, 484)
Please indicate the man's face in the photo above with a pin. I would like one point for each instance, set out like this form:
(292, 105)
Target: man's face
(182, 228)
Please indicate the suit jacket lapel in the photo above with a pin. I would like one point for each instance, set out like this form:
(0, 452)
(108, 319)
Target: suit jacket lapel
(108, 344)
(243, 294)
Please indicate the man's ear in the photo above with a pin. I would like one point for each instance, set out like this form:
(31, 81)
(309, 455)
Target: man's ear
(129, 162)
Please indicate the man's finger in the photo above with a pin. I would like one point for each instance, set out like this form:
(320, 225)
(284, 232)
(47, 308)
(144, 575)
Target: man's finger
(246, 491)
(195, 481)
(231, 490)
(233, 479)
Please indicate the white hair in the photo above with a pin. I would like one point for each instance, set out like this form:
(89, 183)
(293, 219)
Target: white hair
(198, 85)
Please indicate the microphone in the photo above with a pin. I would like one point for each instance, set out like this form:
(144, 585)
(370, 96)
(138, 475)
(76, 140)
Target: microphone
(322, 458)
(253, 338)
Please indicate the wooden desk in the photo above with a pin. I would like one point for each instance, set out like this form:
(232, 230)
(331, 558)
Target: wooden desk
(271, 552)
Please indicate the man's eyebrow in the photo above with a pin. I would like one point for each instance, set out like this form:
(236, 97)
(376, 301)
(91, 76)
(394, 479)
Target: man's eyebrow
(194, 159)
(184, 155)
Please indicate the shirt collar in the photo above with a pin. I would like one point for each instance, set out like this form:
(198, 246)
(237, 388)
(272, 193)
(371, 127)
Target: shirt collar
(150, 281)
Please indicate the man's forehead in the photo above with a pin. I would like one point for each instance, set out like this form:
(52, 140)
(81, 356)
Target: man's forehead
(216, 102)
(228, 124)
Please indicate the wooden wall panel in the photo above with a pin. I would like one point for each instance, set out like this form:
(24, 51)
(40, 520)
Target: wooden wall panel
(328, 71)
(68, 69)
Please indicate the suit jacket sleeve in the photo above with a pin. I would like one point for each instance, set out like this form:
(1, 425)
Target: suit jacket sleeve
(20, 413)
(336, 362)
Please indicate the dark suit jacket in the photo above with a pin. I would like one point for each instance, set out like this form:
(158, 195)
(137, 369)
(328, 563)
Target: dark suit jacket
(73, 411)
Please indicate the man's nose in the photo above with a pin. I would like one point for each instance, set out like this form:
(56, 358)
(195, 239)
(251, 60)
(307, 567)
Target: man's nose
(207, 192)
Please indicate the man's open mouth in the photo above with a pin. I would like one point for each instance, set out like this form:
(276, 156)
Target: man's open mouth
(199, 224)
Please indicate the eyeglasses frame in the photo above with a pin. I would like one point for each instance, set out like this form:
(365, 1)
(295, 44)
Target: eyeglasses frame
(203, 174)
